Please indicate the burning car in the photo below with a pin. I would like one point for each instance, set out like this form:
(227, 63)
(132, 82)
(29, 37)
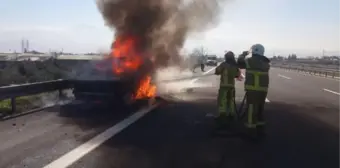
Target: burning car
(123, 76)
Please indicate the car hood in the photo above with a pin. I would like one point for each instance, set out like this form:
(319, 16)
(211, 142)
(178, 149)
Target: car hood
(93, 70)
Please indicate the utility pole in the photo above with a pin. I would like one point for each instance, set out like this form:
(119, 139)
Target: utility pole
(22, 46)
(323, 53)
(27, 45)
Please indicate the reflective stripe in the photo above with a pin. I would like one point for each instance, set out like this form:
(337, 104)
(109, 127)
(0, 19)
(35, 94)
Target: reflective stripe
(250, 87)
(225, 80)
(256, 75)
(222, 108)
(230, 99)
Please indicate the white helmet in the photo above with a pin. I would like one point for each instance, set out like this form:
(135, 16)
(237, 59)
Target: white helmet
(257, 49)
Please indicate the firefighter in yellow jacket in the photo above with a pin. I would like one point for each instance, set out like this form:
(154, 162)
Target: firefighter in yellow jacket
(226, 93)
(256, 86)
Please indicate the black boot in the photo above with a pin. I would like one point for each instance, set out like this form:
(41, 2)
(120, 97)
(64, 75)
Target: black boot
(251, 134)
(221, 122)
(223, 127)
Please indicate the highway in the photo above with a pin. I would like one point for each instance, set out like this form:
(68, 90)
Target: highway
(303, 131)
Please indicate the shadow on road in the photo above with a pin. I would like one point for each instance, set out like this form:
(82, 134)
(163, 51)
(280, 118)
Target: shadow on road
(180, 135)
(94, 115)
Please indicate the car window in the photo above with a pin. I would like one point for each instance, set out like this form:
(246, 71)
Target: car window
(212, 58)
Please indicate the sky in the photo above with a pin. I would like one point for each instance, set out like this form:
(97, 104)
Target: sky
(303, 27)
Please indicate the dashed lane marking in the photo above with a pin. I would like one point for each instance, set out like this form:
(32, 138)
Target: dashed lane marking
(286, 77)
(77, 153)
(330, 91)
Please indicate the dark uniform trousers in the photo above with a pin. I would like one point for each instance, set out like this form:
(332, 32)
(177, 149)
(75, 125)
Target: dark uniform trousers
(255, 107)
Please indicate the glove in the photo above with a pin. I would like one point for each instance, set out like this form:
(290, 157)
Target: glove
(245, 53)
(241, 77)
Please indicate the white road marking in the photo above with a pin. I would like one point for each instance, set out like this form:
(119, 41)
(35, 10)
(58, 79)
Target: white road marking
(77, 153)
(267, 100)
(286, 77)
(194, 80)
(327, 90)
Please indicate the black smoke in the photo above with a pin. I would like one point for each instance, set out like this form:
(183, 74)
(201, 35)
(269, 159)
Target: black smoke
(161, 26)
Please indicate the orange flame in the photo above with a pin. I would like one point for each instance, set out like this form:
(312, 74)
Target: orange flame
(125, 58)
(146, 89)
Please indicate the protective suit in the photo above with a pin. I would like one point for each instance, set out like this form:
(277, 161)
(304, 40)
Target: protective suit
(256, 86)
(201, 61)
(226, 93)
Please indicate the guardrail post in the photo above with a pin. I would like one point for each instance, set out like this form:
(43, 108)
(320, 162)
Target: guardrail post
(13, 105)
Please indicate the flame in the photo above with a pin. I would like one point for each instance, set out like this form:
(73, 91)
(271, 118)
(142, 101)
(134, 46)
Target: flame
(125, 58)
(146, 89)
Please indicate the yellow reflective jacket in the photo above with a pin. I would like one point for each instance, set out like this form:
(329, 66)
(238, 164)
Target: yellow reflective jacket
(228, 74)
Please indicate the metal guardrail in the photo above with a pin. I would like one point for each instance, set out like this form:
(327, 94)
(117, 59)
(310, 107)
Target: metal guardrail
(14, 91)
(312, 71)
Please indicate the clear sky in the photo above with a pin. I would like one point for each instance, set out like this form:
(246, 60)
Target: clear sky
(304, 27)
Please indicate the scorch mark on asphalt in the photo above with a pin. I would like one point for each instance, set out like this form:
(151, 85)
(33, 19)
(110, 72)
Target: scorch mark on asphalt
(330, 91)
(77, 153)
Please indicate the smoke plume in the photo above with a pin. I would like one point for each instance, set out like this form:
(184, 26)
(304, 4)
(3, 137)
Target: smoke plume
(161, 26)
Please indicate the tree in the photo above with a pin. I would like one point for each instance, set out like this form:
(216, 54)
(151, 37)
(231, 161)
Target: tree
(199, 51)
(197, 54)
(289, 57)
(294, 57)
(280, 57)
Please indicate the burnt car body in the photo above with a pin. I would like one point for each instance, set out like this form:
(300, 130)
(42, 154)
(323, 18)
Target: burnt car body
(94, 81)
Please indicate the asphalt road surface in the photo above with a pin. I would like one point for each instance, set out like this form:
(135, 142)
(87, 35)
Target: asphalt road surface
(303, 131)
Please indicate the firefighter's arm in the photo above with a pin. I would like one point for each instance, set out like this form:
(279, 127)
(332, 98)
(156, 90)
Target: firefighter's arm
(238, 73)
(219, 69)
(241, 60)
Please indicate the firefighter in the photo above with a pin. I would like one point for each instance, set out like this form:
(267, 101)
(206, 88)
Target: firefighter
(256, 87)
(226, 93)
(200, 63)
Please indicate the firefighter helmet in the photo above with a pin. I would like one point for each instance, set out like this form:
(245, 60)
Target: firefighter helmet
(257, 49)
(229, 55)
